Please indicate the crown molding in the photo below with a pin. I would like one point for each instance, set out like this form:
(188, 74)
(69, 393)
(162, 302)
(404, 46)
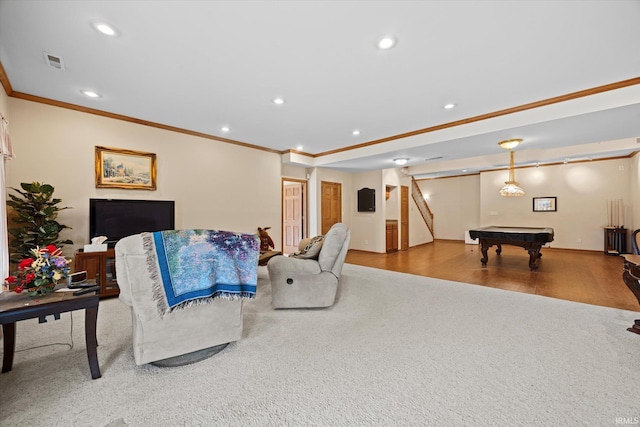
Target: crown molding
(4, 79)
(537, 104)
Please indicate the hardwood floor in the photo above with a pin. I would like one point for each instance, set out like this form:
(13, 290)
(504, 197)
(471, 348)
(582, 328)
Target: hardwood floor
(582, 276)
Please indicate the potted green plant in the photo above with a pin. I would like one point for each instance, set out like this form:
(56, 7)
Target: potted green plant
(35, 220)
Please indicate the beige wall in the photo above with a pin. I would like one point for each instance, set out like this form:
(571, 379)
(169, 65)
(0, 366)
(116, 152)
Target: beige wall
(582, 191)
(215, 185)
(210, 188)
(295, 172)
(454, 203)
(224, 186)
(368, 230)
(634, 192)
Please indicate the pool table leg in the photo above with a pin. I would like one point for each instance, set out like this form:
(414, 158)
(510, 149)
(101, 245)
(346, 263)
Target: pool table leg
(484, 248)
(534, 254)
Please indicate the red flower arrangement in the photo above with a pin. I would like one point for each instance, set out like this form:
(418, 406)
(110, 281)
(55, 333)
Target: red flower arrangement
(38, 275)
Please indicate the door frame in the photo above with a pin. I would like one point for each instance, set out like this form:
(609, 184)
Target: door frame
(404, 217)
(304, 207)
(322, 201)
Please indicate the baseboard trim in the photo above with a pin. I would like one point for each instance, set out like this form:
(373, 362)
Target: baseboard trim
(470, 244)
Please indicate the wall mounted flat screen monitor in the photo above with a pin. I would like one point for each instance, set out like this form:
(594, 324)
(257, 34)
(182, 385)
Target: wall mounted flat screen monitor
(118, 218)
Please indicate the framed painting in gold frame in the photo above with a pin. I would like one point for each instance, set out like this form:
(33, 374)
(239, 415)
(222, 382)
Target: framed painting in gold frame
(126, 169)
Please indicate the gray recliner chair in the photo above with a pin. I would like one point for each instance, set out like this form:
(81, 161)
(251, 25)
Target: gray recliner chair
(306, 283)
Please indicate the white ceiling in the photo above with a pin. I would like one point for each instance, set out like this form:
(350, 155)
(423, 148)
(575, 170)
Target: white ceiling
(201, 65)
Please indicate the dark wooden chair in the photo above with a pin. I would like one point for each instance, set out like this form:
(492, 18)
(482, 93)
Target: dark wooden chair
(631, 276)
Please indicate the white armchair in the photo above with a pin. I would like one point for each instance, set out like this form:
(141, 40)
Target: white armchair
(183, 336)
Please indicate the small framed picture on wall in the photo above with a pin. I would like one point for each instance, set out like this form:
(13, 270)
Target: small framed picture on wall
(544, 204)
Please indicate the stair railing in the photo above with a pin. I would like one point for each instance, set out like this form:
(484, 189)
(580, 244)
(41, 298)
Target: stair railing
(423, 207)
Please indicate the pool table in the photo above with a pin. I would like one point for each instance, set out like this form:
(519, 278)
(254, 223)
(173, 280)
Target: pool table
(530, 238)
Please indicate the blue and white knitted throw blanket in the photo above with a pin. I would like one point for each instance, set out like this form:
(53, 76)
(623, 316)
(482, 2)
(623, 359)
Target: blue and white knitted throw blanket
(195, 266)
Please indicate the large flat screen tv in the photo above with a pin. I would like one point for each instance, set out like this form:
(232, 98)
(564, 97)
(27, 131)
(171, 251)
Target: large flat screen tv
(118, 218)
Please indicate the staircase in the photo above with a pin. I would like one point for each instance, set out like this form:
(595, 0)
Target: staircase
(423, 207)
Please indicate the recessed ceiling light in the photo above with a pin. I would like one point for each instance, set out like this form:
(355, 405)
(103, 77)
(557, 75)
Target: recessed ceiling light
(299, 148)
(449, 106)
(356, 132)
(387, 42)
(401, 161)
(105, 29)
(278, 101)
(225, 128)
(91, 94)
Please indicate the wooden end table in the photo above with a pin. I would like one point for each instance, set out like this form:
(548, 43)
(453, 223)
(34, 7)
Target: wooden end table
(15, 307)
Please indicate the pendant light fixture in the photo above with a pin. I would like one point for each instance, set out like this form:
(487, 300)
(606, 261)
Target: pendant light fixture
(511, 187)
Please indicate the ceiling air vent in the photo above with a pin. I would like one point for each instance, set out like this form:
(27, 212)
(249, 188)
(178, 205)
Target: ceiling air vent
(53, 61)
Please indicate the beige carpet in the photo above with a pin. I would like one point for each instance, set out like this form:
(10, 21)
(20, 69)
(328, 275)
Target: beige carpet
(394, 350)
